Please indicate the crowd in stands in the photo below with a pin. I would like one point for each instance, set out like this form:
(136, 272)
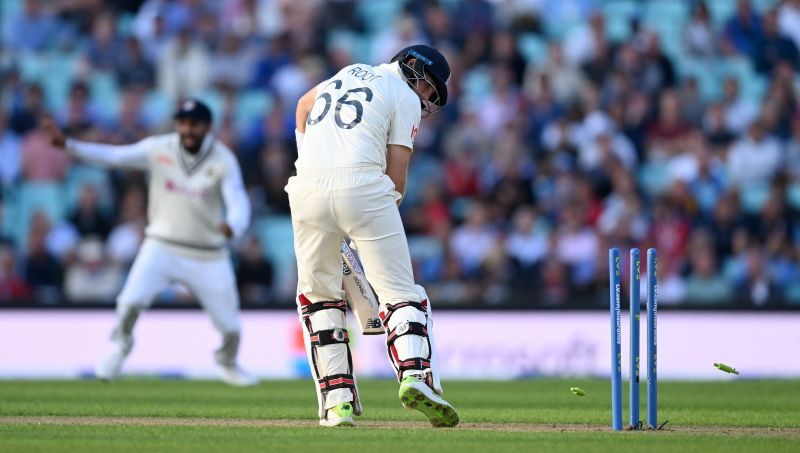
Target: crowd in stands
(572, 126)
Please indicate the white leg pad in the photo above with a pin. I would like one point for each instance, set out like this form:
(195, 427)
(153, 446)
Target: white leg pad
(329, 359)
(408, 346)
(433, 379)
(408, 339)
(332, 358)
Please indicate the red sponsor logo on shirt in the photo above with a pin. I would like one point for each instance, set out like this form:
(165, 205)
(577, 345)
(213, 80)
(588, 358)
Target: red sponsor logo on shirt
(172, 186)
(414, 130)
(164, 159)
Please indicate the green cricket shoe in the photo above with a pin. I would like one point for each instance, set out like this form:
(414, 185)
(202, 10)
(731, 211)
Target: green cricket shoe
(416, 394)
(341, 415)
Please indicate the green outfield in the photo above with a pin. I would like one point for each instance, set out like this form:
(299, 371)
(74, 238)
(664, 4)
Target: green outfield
(533, 415)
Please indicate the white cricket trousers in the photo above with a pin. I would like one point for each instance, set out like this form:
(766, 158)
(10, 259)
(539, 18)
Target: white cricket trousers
(211, 281)
(359, 203)
(327, 205)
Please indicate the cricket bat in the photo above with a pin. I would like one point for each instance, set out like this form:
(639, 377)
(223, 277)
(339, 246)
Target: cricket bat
(359, 294)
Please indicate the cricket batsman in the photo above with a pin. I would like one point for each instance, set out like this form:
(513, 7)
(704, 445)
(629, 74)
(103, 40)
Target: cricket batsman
(355, 135)
(196, 202)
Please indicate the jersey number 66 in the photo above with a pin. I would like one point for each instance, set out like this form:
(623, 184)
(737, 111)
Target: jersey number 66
(341, 101)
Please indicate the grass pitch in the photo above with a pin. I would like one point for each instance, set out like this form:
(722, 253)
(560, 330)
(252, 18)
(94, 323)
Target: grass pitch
(534, 415)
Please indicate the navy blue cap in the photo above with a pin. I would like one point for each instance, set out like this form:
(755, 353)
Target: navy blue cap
(193, 109)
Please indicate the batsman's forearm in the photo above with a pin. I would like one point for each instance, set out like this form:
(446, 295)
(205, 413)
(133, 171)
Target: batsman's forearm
(399, 177)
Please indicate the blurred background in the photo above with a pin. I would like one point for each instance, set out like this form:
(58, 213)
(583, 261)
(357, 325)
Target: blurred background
(572, 126)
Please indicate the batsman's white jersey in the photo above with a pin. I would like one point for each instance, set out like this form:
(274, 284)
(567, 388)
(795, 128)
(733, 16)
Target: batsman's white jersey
(190, 197)
(358, 112)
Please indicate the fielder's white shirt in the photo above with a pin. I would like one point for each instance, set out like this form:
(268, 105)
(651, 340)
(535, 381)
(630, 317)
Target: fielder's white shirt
(356, 114)
(189, 197)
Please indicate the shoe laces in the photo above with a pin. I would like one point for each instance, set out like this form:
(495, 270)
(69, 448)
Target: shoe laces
(415, 375)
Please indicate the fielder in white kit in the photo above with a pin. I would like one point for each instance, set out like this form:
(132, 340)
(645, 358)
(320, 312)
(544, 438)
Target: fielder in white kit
(355, 134)
(196, 202)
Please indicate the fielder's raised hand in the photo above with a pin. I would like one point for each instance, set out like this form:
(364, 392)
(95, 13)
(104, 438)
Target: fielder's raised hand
(57, 137)
(226, 230)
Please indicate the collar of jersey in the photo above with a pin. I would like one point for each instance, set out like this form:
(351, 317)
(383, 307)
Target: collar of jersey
(394, 70)
(191, 165)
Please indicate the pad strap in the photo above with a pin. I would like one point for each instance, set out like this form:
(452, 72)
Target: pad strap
(406, 328)
(326, 337)
(417, 363)
(391, 308)
(313, 307)
(336, 381)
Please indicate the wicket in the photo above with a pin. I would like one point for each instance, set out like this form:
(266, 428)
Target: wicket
(615, 298)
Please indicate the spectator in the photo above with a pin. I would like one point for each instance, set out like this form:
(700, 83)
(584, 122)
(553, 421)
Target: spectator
(10, 158)
(92, 277)
(43, 272)
(587, 42)
(13, 287)
(404, 33)
(773, 48)
(577, 245)
(460, 174)
(739, 112)
(755, 158)
(508, 177)
(276, 54)
(566, 81)
(744, 30)
(691, 102)
(505, 51)
(131, 125)
(789, 20)
(437, 23)
(699, 37)
(132, 68)
(705, 285)
(232, 65)
(151, 31)
(473, 242)
(669, 134)
(292, 80)
(527, 245)
(254, 276)
(657, 69)
(792, 161)
(126, 237)
(89, 218)
(276, 167)
(41, 162)
(715, 127)
(34, 29)
(78, 115)
(183, 66)
(432, 214)
(753, 282)
(669, 233)
(24, 116)
(708, 183)
(603, 144)
(622, 214)
(671, 284)
(104, 46)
